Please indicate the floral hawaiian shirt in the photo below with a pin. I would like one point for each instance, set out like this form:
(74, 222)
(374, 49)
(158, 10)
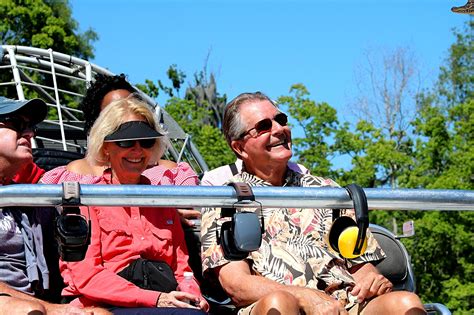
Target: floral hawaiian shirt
(294, 248)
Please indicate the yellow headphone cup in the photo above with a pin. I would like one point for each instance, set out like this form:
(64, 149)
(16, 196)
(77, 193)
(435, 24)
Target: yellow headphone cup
(347, 241)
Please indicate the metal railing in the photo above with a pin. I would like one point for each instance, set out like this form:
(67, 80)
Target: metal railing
(224, 196)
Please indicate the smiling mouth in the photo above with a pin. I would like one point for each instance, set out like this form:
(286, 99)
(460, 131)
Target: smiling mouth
(134, 160)
(25, 144)
(282, 142)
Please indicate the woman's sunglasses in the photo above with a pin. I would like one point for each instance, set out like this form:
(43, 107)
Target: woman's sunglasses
(144, 143)
(265, 125)
(18, 124)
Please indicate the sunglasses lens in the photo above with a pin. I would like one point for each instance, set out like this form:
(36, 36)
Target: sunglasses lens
(125, 143)
(18, 124)
(147, 143)
(144, 143)
(281, 119)
(263, 126)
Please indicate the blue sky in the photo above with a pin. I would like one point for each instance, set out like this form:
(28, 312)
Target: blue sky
(266, 45)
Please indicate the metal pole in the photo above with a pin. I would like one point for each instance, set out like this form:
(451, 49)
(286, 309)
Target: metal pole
(58, 105)
(16, 73)
(205, 196)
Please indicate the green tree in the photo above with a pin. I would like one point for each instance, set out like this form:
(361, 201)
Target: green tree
(204, 93)
(376, 158)
(176, 77)
(318, 122)
(208, 139)
(43, 24)
(444, 158)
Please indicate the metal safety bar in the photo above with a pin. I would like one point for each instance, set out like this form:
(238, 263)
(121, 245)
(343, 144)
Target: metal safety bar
(205, 196)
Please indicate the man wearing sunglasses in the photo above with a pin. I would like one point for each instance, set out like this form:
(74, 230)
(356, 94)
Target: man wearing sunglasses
(294, 271)
(24, 272)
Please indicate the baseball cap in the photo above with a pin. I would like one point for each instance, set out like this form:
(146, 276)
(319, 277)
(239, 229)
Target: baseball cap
(35, 109)
(133, 130)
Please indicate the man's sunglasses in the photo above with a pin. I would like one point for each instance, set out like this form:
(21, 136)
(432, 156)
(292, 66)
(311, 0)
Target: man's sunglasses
(144, 143)
(18, 124)
(265, 125)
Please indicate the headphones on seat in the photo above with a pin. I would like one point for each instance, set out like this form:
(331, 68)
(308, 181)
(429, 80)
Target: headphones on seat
(346, 236)
(71, 230)
(243, 233)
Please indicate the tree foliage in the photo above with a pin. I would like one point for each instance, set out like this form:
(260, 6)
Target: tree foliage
(432, 149)
(444, 158)
(199, 113)
(208, 139)
(204, 93)
(176, 77)
(318, 122)
(44, 24)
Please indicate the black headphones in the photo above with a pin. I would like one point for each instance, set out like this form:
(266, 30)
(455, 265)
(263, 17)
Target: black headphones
(72, 234)
(346, 236)
(71, 230)
(242, 234)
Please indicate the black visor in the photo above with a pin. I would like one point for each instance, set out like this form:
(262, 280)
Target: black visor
(133, 130)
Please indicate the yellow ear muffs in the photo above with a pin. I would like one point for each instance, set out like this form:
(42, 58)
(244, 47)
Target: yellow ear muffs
(347, 237)
(347, 242)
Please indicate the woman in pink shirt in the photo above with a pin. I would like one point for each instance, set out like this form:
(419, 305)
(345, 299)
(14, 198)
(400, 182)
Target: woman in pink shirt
(104, 90)
(124, 140)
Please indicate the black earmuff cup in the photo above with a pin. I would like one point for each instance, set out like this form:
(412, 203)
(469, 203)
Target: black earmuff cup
(72, 235)
(231, 252)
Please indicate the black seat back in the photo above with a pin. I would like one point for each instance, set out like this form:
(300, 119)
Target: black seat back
(48, 159)
(396, 267)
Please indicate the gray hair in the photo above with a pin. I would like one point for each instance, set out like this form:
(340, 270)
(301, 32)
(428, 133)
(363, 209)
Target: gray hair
(232, 125)
(110, 119)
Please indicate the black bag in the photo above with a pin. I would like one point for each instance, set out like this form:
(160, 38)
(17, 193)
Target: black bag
(150, 275)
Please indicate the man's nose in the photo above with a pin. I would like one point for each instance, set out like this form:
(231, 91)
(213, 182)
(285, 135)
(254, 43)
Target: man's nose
(276, 127)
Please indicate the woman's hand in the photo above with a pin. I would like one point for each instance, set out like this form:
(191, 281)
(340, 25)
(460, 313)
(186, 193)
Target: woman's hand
(203, 305)
(179, 299)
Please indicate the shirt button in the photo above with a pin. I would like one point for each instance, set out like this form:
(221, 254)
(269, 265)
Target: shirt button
(143, 238)
(135, 218)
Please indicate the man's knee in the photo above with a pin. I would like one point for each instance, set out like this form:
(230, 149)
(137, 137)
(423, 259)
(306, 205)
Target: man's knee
(403, 302)
(410, 302)
(278, 302)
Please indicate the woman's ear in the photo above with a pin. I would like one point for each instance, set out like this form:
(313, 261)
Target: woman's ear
(106, 153)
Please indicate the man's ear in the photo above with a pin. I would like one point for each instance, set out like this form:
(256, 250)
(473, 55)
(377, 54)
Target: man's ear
(237, 147)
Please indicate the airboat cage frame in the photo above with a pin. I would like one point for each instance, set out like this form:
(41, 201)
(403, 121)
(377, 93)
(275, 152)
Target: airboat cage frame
(61, 80)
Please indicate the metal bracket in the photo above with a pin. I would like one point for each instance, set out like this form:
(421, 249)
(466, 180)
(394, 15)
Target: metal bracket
(244, 194)
(71, 194)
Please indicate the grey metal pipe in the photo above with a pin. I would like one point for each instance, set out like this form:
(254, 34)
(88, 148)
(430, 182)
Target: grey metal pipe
(203, 196)
(438, 308)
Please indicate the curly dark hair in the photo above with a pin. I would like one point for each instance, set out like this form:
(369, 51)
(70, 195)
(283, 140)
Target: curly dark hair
(102, 85)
